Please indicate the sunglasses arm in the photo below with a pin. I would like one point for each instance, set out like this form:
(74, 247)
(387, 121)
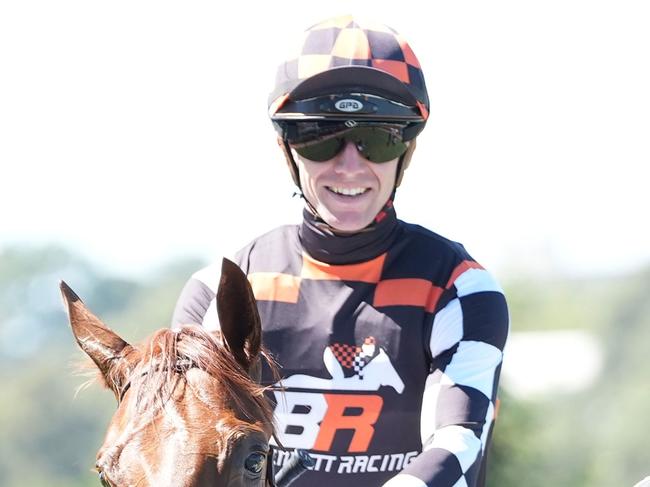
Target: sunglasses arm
(404, 162)
(291, 163)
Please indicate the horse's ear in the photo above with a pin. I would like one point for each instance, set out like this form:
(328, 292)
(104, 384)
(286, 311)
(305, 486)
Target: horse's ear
(100, 343)
(238, 316)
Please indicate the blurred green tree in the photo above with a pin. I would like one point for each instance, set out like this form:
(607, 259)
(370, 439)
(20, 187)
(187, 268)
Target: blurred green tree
(49, 436)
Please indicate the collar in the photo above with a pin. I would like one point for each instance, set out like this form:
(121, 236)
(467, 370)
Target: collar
(325, 245)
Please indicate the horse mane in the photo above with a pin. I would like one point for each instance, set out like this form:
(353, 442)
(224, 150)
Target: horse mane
(167, 356)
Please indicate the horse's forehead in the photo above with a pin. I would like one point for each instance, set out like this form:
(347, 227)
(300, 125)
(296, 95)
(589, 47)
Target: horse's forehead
(220, 407)
(198, 375)
(186, 422)
(200, 385)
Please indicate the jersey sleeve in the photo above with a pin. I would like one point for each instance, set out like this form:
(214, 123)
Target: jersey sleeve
(196, 303)
(458, 408)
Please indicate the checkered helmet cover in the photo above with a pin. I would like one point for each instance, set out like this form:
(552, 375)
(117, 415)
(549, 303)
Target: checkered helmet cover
(346, 42)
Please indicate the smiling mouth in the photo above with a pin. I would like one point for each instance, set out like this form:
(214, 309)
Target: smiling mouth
(350, 192)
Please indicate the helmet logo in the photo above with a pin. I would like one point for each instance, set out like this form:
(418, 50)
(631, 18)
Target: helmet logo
(348, 105)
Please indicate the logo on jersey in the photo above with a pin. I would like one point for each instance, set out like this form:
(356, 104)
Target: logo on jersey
(311, 410)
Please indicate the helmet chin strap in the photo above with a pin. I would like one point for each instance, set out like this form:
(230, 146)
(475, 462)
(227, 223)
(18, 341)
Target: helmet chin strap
(288, 156)
(293, 169)
(402, 164)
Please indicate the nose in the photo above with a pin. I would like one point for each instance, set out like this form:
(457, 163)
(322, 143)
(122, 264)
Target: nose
(349, 160)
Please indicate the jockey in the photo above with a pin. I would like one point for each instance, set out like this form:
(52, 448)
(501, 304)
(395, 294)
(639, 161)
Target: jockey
(389, 336)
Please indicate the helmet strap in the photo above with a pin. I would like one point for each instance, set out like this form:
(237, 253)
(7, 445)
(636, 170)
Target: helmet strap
(291, 163)
(293, 169)
(404, 162)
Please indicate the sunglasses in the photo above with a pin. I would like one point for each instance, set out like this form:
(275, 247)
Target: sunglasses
(375, 142)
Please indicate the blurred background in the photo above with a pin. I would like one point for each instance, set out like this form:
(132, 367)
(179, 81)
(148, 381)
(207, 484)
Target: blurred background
(135, 148)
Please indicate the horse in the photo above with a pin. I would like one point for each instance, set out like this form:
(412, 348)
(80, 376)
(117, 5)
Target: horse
(190, 411)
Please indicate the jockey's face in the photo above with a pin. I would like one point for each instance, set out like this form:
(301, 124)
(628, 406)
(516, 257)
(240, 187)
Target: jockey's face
(347, 191)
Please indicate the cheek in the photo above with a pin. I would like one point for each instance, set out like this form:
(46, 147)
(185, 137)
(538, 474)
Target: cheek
(309, 172)
(386, 175)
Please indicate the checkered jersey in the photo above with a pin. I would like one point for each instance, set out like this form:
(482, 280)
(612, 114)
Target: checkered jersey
(354, 358)
(347, 41)
(345, 353)
(424, 310)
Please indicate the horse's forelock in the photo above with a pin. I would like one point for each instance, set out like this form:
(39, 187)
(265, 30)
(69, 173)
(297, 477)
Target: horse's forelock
(167, 356)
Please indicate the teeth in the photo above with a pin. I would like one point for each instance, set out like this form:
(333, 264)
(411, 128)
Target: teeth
(348, 191)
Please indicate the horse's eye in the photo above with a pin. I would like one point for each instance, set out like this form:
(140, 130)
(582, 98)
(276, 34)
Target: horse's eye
(255, 462)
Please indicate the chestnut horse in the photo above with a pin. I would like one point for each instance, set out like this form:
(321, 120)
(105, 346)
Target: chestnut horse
(190, 412)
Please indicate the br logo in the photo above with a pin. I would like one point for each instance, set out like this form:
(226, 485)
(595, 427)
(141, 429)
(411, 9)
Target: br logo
(310, 420)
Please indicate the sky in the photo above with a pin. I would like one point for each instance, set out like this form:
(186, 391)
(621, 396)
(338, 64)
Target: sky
(136, 132)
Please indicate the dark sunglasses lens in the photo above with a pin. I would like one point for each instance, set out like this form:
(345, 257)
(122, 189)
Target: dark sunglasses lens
(376, 144)
(321, 150)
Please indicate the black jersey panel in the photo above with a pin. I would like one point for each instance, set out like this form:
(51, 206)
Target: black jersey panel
(276, 251)
(461, 405)
(422, 253)
(446, 469)
(485, 318)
